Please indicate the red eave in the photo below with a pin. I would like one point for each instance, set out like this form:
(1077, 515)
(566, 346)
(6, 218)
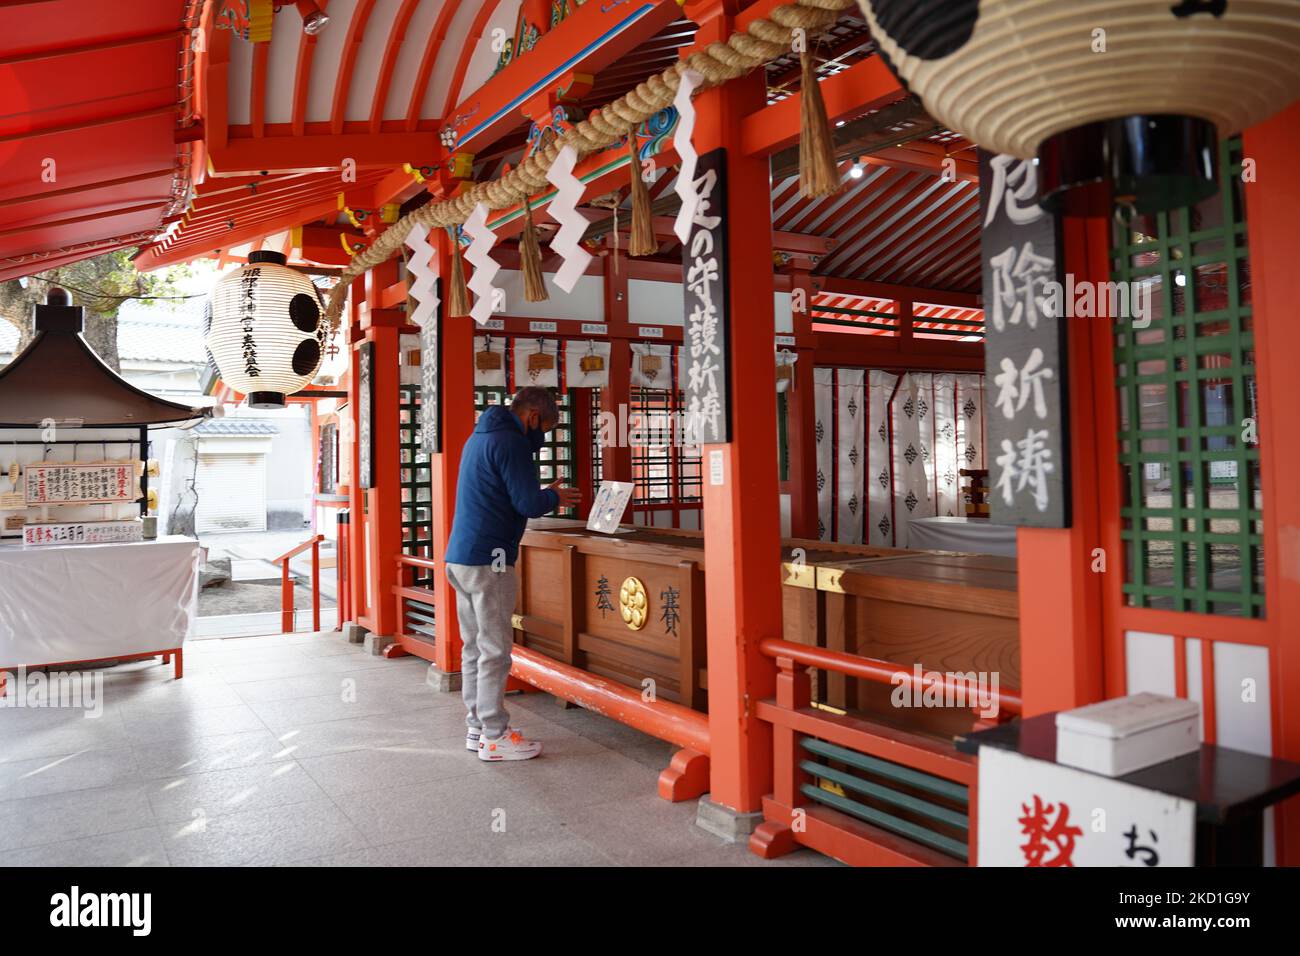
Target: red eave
(92, 101)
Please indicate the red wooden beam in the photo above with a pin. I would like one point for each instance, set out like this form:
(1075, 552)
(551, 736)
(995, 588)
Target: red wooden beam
(302, 76)
(321, 152)
(885, 290)
(467, 50)
(396, 37)
(427, 63)
(847, 94)
(88, 187)
(351, 46)
(590, 38)
(926, 157)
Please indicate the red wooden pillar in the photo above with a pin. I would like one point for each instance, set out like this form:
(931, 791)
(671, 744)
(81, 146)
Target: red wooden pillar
(741, 516)
(356, 496)
(384, 497)
(616, 456)
(457, 378)
(801, 415)
(1271, 202)
(1060, 593)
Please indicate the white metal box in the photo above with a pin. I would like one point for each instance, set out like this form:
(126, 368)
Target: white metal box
(1118, 736)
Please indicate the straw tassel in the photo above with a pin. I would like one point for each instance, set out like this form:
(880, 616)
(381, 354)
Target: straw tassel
(643, 242)
(530, 255)
(458, 296)
(818, 172)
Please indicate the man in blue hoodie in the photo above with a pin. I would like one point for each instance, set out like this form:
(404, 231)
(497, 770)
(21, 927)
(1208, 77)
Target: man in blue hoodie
(496, 493)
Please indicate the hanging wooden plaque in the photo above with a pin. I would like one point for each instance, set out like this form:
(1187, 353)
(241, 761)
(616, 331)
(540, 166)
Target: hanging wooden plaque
(1026, 413)
(430, 377)
(706, 273)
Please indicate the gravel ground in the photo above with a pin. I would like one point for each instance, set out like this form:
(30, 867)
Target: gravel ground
(249, 597)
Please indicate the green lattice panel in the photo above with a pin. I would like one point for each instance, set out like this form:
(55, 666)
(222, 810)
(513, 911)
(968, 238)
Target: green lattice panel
(1191, 510)
(417, 490)
(556, 456)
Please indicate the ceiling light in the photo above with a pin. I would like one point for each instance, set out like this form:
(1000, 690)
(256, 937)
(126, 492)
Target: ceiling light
(856, 171)
(313, 20)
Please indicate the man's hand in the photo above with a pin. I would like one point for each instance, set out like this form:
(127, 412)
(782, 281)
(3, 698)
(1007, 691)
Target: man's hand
(569, 497)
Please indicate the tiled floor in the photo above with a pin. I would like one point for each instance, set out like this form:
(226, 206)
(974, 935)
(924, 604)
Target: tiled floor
(302, 749)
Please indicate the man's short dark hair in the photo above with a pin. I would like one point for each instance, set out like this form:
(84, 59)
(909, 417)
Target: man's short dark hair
(534, 398)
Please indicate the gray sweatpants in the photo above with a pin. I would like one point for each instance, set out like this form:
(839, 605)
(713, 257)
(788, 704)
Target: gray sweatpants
(485, 600)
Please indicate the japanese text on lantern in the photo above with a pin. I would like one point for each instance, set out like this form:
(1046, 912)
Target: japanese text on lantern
(1024, 349)
(704, 264)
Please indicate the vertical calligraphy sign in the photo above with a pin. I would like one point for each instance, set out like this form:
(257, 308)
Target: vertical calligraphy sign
(430, 377)
(1026, 412)
(366, 414)
(705, 269)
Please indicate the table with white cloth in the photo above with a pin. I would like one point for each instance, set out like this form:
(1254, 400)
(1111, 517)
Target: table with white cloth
(89, 602)
(972, 535)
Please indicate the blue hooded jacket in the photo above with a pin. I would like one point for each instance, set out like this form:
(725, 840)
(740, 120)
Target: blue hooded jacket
(497, 491)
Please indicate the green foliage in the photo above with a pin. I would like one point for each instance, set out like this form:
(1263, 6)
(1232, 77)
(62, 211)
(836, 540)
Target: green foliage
(103, 283)
(100, 284)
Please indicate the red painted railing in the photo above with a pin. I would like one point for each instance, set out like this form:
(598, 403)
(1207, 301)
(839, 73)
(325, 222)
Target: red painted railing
(286, 584)
(792, 819)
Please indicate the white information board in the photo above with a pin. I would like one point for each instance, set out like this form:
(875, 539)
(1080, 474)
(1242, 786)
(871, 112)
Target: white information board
(82, 532)
(80, 484)
(607, 510)
(1034, 813)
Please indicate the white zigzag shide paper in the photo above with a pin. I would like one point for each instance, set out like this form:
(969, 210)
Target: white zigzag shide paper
(685, 185)
(564, 210)
(485, 267)
(423, 266)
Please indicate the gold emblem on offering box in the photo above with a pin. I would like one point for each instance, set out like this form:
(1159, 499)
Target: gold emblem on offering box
(632, 603)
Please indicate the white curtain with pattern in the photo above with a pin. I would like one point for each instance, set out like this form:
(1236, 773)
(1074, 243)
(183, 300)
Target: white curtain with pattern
(851, 454)
(824, 415)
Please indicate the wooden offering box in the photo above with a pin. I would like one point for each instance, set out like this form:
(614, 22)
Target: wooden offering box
(951, 613)
(902, 606)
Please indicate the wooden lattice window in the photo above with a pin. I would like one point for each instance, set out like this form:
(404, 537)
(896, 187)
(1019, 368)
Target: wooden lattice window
(663, 469)
(556, 457)
(1192, 507)
(416, 484)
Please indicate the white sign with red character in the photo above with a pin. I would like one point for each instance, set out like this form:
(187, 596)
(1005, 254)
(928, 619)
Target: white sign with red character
(83, 532)
(80, 484)
(1035, 813)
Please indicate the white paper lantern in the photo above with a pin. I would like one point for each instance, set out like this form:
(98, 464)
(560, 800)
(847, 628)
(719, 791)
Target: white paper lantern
(264, 330)
(1132, 93)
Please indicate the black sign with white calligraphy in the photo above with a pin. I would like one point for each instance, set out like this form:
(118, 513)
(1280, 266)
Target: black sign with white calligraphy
(705, 269)
(430, 369)
(1025, 360)
(366, 414)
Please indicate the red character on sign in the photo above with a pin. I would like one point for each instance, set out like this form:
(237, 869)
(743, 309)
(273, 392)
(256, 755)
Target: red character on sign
(1045, 835)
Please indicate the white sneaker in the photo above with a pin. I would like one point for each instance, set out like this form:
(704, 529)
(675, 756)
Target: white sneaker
(512, 746)
(472, 738)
